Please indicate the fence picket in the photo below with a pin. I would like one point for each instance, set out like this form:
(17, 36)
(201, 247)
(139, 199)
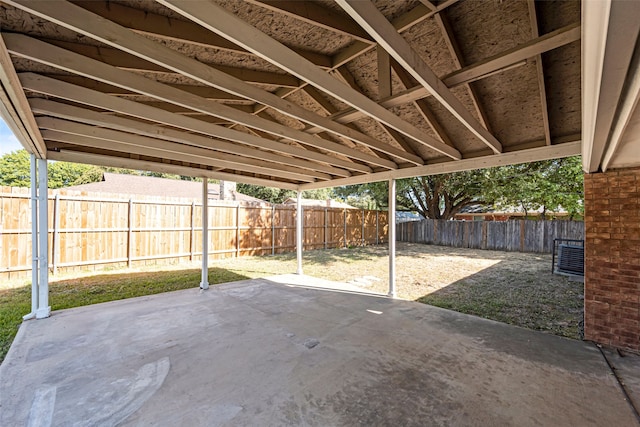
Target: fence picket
(99, 229)
(514, 236)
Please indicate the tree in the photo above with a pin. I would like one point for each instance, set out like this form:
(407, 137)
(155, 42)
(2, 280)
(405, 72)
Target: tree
(550, 185)
(435, 196)
(279, 195)
(443, 196)
(15, 170)
(546, 185)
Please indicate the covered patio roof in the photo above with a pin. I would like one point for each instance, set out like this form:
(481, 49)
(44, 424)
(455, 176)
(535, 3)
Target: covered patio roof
(300, 94)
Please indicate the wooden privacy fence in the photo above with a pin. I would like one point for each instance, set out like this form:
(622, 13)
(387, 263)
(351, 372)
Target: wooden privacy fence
(515, 235)
(88, 229)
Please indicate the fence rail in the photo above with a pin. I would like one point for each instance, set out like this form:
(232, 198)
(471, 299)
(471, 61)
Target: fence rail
(515, 235)
(87, 230)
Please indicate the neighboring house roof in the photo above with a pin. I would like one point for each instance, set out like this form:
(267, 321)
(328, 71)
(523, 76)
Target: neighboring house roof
(152, 186)
(328, 203)
(406, 216)
(503, 210)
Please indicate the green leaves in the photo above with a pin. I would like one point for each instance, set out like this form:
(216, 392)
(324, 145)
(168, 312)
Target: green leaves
(550, 185)
(15, 171)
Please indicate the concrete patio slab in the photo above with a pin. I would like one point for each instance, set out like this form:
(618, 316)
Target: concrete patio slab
(259, 352)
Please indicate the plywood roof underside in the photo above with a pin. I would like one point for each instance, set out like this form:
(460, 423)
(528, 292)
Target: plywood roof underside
(294, 94)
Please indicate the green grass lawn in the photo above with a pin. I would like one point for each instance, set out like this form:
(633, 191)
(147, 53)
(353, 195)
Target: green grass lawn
(508, 287)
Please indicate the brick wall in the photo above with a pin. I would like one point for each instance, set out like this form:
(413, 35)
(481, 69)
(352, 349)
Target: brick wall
(612, 258)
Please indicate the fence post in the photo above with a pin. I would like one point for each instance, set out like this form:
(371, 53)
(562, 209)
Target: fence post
(345, 227)
(326, 216)
(484, 235)
(273, 229)
(237, 230)
(364, 241)
(55, 251)
(192, 238)
(377, 228)
(521, 235)
(129, 233)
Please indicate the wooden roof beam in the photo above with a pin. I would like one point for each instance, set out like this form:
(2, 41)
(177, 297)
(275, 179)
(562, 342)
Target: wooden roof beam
(508, 158)
(456, 54)
(97, 138)
(502, 61)
(167, 28)
(368, 16)
(533, 18)
(38, 51)
(61, 90)
(228, 25)
(125, 61)
(91, 25)
(68, 155)
(314, 14)
(15, 108)
(69, 112)
(400, 23)
(422, 106)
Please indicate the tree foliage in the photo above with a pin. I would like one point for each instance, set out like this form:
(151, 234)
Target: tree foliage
(549, 185)
(15, 171)
(279, 195)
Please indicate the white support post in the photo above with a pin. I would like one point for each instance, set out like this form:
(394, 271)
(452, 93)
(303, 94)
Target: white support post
(44, 310)
(273, 229)
(299, 215)
(204, 283)
(130, 233)
(192, 238)
(34, 239)
(55, 253)
(392, 238)
(237, 229)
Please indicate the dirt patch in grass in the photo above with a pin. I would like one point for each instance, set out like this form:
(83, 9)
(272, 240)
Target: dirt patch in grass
(508, 287)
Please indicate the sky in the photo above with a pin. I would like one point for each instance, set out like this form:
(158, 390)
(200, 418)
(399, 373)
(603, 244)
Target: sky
(8, 141)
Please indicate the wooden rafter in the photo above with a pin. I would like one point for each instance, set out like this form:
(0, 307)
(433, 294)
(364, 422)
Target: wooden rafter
(401, 23)
(174, 29)
(313, 13)
(508, 158)
(82, 115)
(422, 106)
(91, 136)
(533, 18)
(33, 49)
(15, 106)
(87, 23)
(456, 55)
(489, 66)
(368, 16)
(123, 60)
(345, 75)
(128, 162)
(61, 90)
(228, 25)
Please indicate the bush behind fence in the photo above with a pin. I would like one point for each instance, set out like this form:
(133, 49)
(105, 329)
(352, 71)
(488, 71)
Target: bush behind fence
(514, 235)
